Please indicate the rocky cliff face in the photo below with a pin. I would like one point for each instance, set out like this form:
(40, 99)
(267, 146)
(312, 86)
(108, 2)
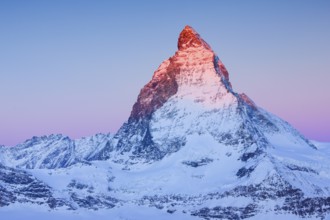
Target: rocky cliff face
(194, 74)
(190, 94)
(191, 145)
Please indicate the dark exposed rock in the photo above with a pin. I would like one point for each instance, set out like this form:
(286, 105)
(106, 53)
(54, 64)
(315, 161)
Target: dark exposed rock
(249, 155)
(22, 187)
(35, 190)
(232, 213)
(271, 189)
(244, 171)
(94, 202)
(155, 93)
(6, 197)
(306, 207)
(11, 177)
(302, 169)
(77, 185)
(135, 136)
(198, 163)
(171, 211)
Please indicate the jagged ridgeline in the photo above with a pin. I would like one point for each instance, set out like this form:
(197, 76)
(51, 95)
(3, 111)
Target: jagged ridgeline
(191, 148)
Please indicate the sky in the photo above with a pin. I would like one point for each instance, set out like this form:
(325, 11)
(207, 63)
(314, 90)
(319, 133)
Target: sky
(76, 67)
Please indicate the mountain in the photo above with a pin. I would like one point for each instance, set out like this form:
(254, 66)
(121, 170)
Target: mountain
(55, 151)
(192, 148)
(190, 94)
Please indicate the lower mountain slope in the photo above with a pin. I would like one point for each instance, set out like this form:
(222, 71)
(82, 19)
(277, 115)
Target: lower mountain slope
(212, 184)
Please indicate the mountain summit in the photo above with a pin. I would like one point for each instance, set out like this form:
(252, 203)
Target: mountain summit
(189, 115)
(190, 93)
(193, 79)
(191, 148)
(193, 54)
(190, 38)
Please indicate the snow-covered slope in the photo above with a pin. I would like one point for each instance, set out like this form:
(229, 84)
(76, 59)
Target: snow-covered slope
(190, 94)
(191, 148)
(96, 147)
(40, 152)
(55, 151)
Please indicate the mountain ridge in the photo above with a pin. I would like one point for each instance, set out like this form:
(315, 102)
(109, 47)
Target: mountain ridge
(191, 145)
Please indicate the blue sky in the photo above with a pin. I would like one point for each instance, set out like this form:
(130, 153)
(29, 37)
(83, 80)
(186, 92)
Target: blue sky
(76, 67)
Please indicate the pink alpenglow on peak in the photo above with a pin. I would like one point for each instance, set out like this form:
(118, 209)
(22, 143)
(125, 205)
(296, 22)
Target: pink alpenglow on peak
(190, 38)
(194, 57)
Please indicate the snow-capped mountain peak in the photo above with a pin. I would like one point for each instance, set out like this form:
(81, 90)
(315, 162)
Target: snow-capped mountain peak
(192, 147)
(187, 94)
(194, 70)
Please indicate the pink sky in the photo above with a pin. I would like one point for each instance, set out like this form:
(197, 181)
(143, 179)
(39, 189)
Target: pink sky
(77, 69)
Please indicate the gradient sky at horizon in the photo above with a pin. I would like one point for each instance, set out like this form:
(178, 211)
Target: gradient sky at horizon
(76, 67)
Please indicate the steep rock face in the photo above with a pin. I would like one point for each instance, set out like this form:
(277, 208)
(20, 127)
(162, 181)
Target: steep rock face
(194, 55)
(156, 92)
(191, 146)
(190, 38)
(203, 123)
(194, 74)
(190, 94)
